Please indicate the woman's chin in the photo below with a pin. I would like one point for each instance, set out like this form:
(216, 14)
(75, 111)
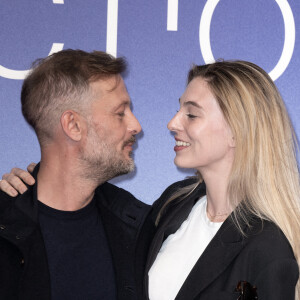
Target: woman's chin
(181, 164)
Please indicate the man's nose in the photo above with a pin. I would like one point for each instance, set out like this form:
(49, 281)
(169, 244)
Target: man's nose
(134, 125)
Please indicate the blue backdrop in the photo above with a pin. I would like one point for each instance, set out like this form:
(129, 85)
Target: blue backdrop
(161, 40)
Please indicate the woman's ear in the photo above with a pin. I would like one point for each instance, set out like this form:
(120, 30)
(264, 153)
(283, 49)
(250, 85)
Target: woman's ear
(72, 126)
(230, 137)
(232, 142)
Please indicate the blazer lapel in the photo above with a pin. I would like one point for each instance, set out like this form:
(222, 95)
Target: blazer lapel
(169, 225)
(224, 247)
(221, 251)
(177, 214)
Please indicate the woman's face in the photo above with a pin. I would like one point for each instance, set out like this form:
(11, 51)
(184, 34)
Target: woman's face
(204, 140)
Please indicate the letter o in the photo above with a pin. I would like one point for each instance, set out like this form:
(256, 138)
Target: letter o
(289, 31)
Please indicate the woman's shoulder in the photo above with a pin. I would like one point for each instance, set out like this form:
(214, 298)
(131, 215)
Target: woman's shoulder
(265, 236)
(171, 191)
(269, 257)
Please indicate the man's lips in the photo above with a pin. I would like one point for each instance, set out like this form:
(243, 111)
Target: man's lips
(129, 143)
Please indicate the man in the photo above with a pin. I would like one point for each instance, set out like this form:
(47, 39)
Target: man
(72, 235)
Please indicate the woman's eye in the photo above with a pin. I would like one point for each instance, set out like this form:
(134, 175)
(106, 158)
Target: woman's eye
(190, 116)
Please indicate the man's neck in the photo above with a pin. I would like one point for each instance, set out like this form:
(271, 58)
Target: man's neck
(61, 187)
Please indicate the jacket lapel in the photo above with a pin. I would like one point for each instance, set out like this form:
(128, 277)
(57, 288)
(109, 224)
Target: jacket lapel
(178, 211)
(220, 252)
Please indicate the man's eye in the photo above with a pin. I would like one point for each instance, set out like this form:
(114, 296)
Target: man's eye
(190, 116)
(122, 114)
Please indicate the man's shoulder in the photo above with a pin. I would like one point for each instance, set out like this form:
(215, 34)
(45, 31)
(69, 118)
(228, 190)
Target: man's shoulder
(22, 203)
(115, 194)
(7, 201)
(113, 190)
(121, 203)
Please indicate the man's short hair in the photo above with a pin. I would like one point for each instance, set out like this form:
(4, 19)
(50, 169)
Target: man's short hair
(60, 82)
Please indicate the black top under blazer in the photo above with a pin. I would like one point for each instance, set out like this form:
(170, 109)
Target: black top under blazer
(263, 257)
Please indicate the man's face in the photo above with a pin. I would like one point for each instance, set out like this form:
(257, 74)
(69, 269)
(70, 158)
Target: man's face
(111, 130)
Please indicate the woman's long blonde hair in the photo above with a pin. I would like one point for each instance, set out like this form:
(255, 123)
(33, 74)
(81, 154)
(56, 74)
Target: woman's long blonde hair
(264, 178)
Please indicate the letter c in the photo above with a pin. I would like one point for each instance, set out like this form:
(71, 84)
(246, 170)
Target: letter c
(16, 74)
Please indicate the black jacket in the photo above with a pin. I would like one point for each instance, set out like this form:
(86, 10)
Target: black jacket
(263, 257)
(24, 272)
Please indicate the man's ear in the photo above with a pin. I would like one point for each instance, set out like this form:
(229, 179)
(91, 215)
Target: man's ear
(72, 125)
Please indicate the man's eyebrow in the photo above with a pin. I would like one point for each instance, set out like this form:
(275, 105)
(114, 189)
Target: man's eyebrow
(123, 103)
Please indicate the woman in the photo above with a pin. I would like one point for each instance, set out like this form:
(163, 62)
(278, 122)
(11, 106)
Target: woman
(237, 223)
(233, 230)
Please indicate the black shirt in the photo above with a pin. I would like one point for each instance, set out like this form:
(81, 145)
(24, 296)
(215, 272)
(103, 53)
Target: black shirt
(78, 254)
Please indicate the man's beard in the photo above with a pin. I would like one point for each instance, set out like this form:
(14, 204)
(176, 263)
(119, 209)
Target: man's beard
(101, 162)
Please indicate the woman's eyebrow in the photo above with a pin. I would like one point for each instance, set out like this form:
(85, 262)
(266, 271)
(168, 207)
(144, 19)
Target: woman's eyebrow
(193, 103)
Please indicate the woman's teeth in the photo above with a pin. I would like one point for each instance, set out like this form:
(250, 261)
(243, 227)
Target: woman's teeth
(181, 143)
